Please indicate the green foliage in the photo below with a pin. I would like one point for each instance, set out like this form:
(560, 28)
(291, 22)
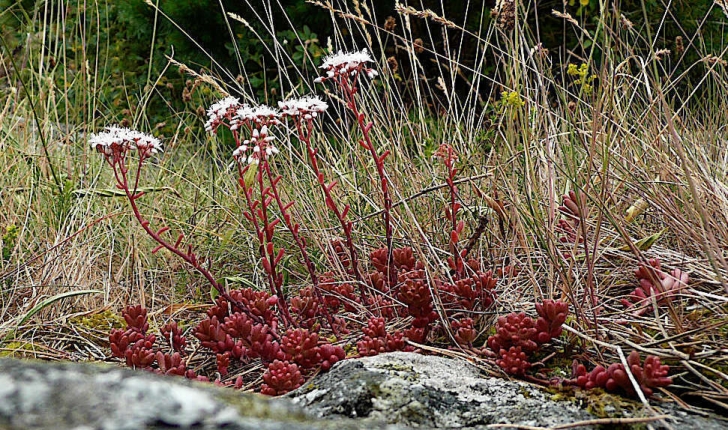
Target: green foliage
(129, 48)
(582, 78)
(10, 235)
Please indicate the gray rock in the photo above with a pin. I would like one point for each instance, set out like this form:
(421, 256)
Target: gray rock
(428, 391)
(390, 391)
(39, 395)
(435, 392)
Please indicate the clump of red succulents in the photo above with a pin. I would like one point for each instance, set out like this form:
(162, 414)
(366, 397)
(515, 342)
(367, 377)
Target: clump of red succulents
(283, 330)
(243, 325)
(649, 375)
(280, 378)
(231, 337)
(376, 340)
(140, 349)
(518, 336)
(472, 292)
(654, 283)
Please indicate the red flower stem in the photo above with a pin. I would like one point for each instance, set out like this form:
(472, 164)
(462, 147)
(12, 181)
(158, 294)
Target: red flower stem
(453, 190)
(252, 215)
(349, 92)
(248, 192)
(300, 241)
(276, 279)
(451, 172)
(121, 174)
(346, 226)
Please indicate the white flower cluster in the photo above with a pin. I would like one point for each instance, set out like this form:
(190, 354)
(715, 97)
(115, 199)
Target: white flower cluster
(306, 107)
(347, 63)
(259, 115)
(260, 143)
(221, 110)
(121, 139)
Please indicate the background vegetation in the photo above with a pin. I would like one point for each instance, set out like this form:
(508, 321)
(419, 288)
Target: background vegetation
(624, 101)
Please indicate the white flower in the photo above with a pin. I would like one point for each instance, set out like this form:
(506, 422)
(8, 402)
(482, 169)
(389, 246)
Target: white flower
(260, 145)
(346, 60)
(220, 110)
(223, 105)
(240, 151)
(308, 107)
(121, 139)
(259, 114)
(148, 144)
(347, 63)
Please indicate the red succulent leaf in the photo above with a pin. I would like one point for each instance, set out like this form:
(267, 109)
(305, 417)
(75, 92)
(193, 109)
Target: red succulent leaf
(212, 335)
(415, 293)
(136, 318)
(513, 361)
(378, 258)
(174, 337)
(330, 354)
(465, 333)
(223, 362)
(280, 378)
(170, 364)
(552, 315)
(653, 374)
(514, 329)
(302, 346)
(376, 340)
(574, 206)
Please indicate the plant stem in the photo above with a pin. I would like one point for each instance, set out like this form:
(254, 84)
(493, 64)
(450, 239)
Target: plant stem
(366, 143)
(264, 231)
(300, 241)
(118, 163)
(346, 226)
(458, 262)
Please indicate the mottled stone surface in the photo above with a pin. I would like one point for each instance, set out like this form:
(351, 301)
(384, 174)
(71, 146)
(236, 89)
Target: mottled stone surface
(428, 391)
(435, 392)
(390, 391)
(38, 395)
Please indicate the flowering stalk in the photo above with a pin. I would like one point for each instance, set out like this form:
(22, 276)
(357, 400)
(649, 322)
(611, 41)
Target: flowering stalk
(306, 109)
(265, 230)
(446, 153)
(260, 145)
(344, 69)
(115, 143)
(294, 227)
(254, 152)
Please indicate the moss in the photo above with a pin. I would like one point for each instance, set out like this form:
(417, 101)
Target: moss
(17, 350)
(105, 321)
(605, 405)
(597, 401)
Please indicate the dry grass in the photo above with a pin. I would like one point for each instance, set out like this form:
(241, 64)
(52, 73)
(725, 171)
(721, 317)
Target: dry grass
(639, 134)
